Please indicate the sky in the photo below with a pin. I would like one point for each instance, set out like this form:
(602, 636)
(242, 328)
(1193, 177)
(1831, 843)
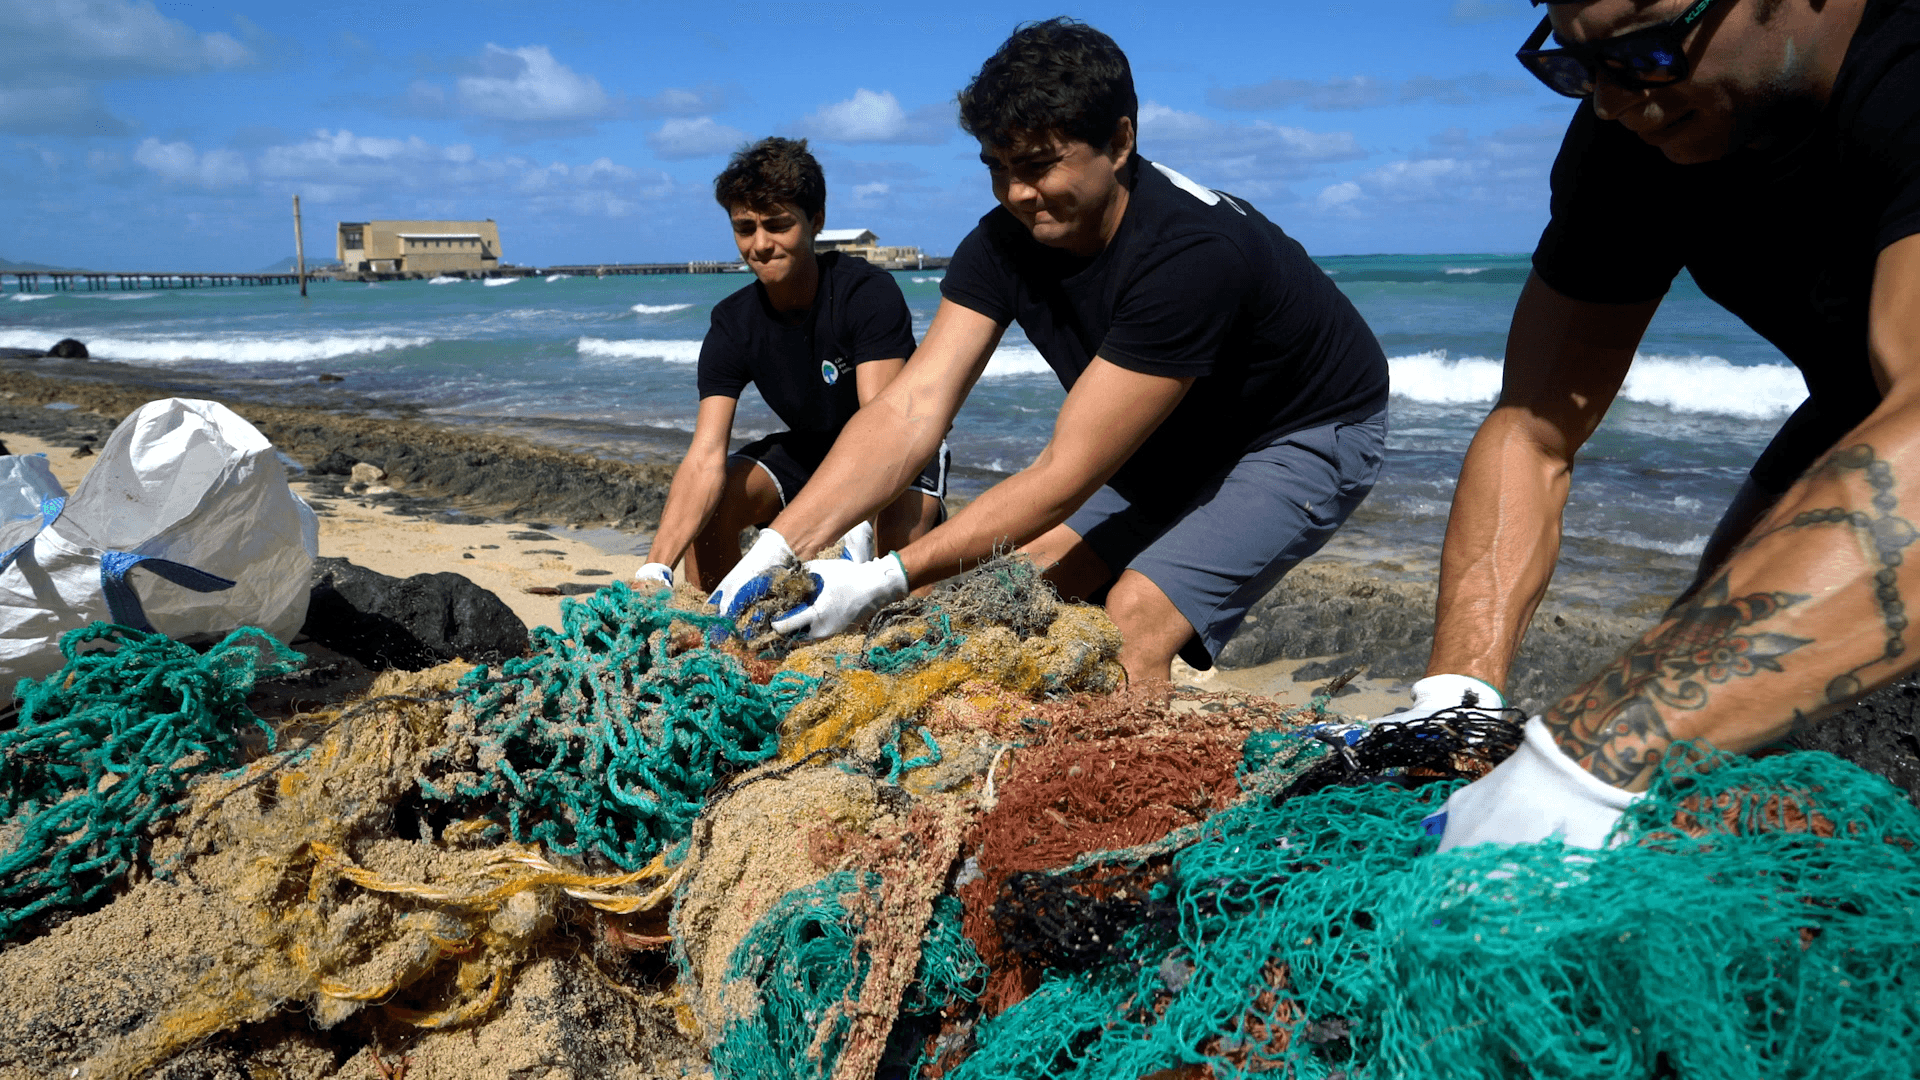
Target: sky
(171, 136)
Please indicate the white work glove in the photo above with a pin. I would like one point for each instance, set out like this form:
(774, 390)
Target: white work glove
(857, 545)
(849, 593)
(654, 573)
(1537, 793)
(1438, 692)
(752, 576)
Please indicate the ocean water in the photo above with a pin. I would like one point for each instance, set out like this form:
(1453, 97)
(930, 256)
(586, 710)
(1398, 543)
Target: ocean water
(607, 365)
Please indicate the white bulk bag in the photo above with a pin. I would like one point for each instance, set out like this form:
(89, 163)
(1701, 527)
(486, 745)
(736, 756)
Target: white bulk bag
(185, 525)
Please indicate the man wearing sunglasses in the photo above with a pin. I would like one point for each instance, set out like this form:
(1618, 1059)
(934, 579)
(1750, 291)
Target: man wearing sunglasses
(1772, 149)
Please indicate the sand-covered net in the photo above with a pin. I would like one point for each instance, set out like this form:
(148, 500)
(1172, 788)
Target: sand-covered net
(956, 845)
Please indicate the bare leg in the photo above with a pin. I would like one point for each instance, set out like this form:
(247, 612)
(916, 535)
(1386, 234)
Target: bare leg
(908, 518)
(1152, 630)
(750, 498)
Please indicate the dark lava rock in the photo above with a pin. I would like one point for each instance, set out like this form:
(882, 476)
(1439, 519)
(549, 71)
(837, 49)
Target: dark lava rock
(334, 463)
(68, 349)
(21, 354)
(410, 623)
(3, 449)
(328, 377)
(1365, 616)
(1877, 733)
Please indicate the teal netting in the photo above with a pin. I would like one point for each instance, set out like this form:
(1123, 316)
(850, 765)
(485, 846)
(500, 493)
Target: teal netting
(106, 746)
(604, 741)
(1772, 934)
(803, 958)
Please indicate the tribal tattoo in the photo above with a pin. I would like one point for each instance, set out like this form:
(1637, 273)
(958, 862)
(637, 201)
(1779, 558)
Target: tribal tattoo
(1612, 726)
(1884, 535)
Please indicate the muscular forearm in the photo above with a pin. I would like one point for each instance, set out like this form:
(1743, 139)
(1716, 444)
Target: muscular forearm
(1809, 613)
(1004, 517)
(1503, 538)
(691, 500)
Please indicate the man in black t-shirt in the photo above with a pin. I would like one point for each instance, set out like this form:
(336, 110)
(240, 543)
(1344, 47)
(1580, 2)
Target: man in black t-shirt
(819, 336)
(1772, 149)
(1226, 405)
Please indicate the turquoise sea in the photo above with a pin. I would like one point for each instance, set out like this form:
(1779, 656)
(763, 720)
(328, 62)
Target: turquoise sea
(607, 364)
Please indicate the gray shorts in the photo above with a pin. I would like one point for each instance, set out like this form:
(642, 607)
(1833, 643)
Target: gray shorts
(1219, 552)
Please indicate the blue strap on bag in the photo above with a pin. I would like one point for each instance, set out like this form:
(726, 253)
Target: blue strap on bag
(123, 604)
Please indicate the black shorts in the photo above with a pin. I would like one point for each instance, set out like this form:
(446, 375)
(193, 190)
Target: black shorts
(790, 457)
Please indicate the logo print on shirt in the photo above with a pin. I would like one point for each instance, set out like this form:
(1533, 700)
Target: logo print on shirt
(830, 371)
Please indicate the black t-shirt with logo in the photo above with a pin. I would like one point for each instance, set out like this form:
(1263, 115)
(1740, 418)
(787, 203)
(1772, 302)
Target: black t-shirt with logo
(805, 371)
(1194, 283)
(1784, 238)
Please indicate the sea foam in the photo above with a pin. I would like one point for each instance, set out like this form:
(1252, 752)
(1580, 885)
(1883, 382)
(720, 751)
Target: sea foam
(495, 281)
(671, 351)
(659, 309)
(444, 280)
(235, 350)
(33, 296)
(1687, 384)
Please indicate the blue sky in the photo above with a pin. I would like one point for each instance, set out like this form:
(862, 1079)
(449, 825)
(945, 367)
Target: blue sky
(168, 136)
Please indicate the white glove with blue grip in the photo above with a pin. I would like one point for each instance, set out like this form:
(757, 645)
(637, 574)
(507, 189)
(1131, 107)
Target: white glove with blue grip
(1436, 693)
(1537, 793)
(654, 573)
(752, 576)
(848, 594)
(857, 545)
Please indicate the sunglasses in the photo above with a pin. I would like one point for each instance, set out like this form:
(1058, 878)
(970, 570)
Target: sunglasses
(1640, 60)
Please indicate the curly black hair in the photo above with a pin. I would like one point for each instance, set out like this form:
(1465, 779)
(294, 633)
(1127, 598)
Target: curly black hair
(762, 175)
(1059, 75)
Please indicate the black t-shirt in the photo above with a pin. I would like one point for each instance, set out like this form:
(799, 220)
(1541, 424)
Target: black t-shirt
(805, 371)
(1783, 238)
(1193, 283)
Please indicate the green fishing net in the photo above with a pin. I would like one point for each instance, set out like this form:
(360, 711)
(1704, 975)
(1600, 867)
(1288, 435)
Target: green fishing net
(604, 740)
(802, 963)
(106, 746)
(1757, 918)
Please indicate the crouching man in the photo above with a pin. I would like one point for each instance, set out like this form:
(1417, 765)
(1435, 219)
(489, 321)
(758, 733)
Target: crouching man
(819, 336)
(1225, 409)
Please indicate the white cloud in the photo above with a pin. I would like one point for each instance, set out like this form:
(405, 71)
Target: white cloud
(179, 163)
(701, 136)
(1337, 198)
(680, 101)
(55, 53)
(528, 85)
(107, 39)
(1251, 159)
(1344, 92)
(877, 117)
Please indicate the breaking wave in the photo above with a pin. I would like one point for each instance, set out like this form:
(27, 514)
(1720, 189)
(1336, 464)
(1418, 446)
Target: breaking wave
(671, 351)
(235, 350)
(1687, 384)
(659, 309)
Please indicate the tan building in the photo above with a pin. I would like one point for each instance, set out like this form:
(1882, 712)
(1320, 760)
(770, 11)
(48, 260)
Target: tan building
(421, 247)
(864, 243)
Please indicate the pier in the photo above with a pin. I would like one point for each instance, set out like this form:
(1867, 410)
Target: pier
(85, 281)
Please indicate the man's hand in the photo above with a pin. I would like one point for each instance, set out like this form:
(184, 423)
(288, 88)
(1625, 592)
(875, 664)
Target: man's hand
(857, 544)
(1438, 693)
(752, 575)
(849, 593)
(1537, 793)
(654, 574)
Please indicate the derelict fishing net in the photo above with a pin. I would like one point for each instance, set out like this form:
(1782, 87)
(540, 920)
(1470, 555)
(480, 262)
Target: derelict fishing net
(954, 845)
(1320, 934)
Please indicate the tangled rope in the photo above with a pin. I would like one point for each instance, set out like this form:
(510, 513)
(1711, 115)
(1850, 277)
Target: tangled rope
(106, 747)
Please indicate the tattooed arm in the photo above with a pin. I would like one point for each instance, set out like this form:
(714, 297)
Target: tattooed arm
(1808, 613)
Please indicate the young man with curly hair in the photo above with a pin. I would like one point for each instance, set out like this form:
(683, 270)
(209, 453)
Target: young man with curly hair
(819, 336)
(1225, 409)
